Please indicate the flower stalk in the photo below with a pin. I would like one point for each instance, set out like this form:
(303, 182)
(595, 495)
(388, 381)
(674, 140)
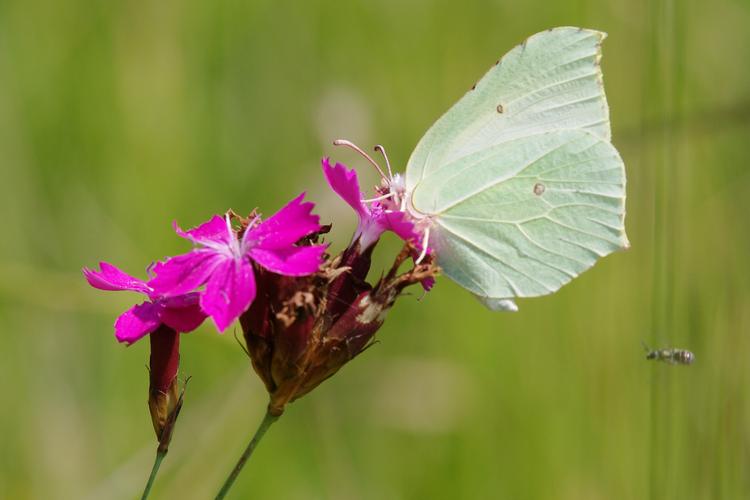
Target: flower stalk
(165, 397)
(304, 313)
(268, 419)
(154, 470)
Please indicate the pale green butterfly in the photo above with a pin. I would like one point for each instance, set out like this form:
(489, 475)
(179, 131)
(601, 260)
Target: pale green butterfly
(518, 184)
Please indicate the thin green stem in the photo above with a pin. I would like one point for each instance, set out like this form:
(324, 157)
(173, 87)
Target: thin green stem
(262, 428)
(160, 454)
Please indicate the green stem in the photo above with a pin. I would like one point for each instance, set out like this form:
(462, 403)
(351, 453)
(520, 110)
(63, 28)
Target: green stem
(262, 428)
(160, 454)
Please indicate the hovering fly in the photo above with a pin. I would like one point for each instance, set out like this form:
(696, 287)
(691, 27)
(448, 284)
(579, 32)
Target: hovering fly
(673, 356)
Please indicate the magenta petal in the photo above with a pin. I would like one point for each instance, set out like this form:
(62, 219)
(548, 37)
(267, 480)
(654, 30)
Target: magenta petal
(344, 182)
(370, 228)
(402, 226)
(292, 261)
(229, 292)
(215, 230)
(183, 319)
(112, 278)
(285, 227)
(428, 283)
(180, 301)
(137, 322)
(184, 273)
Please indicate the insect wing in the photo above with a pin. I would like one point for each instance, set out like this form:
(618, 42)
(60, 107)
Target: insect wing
(552, 81)
(519, 178)
(524, 218)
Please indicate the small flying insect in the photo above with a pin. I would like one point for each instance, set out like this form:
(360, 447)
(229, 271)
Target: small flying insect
(673, 356)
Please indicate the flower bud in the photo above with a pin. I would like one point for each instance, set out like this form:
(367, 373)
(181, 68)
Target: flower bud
(165, 398)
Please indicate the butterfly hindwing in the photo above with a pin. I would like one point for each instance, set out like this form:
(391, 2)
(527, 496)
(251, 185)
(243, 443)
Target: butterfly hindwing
(540, 211)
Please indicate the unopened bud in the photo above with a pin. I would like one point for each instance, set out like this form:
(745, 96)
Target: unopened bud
(165, 395)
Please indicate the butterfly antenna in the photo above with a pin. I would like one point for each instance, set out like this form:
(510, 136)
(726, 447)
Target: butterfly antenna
(349, 144)
(381, 149)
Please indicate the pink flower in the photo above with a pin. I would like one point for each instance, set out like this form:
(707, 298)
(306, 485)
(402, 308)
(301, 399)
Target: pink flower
(224, 262)
(373, 220)
(181, 313)
(377, 218)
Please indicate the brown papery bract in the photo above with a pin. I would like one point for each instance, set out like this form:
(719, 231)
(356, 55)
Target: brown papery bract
(300, 331)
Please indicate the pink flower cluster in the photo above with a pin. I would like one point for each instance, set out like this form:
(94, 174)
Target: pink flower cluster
(222, 261)
(303, 313)
(218, 277)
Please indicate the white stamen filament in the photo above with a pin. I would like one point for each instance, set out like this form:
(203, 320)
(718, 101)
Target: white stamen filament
(243, 244)
(234, 245)
(252, 222)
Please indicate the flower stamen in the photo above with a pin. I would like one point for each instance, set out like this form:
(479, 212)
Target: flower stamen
(234, 244)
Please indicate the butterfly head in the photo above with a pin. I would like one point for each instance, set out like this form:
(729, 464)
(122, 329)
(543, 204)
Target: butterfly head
(397, 184)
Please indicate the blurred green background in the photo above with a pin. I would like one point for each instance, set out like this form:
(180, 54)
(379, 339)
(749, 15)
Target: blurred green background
(118, 117)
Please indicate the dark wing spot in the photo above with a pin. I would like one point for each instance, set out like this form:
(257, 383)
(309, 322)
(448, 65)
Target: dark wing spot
(500, 108)
(539, 189)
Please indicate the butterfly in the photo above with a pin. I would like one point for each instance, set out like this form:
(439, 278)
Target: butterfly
(517, 186)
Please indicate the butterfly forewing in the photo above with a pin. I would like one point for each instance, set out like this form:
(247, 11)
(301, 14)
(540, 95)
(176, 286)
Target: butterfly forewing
(550, 82)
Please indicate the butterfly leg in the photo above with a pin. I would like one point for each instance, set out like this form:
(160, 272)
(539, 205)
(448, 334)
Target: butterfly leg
(425, 242)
